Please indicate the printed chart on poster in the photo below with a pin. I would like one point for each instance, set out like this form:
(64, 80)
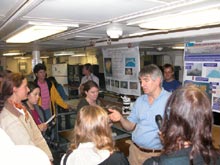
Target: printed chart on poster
(202, 68)
(121, 68)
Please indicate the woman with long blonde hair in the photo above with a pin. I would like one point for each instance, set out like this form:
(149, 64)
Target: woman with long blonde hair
(92, 140)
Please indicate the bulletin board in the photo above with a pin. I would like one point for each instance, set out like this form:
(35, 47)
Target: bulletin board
(202, 68)
(121, 68)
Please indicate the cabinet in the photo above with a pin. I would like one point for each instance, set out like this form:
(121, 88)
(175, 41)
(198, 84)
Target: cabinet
(74, 75)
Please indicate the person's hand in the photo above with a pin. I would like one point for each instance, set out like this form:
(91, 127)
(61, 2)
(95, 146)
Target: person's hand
(42, 127)
(114, 115)
(70, 107)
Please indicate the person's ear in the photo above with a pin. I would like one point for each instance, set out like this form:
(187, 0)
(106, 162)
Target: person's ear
(14, 89)
(86, 93)
(158, 80)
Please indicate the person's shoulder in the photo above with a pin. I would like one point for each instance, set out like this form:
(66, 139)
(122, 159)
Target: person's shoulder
(165, 93)
(82, 103)
(141, 98)
(117, 158)
(94, 76)
(82, 100)
(49, 83)
(168, 160)
(218, 160)
(176, 81)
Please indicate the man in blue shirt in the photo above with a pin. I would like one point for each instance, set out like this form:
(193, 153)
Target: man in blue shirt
(169, 83)
(145, 138)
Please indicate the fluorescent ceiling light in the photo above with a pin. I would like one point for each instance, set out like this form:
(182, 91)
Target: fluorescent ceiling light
(64, 53)
(147, 32)
(21, 58)
(184, 20)
(44, 57)
(36, 30)
(178, 47)
(78, 55)
(12, 54)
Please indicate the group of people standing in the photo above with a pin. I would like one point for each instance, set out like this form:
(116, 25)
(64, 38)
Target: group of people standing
(27, 106)
(185, 135)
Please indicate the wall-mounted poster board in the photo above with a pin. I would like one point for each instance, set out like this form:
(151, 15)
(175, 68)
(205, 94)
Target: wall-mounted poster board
(202, 67)
(121, 68)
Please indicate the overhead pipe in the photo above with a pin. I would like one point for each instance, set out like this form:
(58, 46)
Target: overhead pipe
(18, 11)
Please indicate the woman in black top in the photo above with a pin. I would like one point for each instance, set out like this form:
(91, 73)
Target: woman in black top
(90, 94)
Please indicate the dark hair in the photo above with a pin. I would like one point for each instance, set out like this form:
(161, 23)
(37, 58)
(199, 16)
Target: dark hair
(88, 67)
(32, 85)
(188, 117)
(168, 66)
(10, 80)
(88, 85)
(152, 70)
(5, 73)
(53, 80)
(38, 67)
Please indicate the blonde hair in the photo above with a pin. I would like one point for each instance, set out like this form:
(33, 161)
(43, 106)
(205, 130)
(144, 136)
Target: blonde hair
(92, 125)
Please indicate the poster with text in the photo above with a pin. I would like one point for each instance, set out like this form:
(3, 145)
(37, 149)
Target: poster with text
(202, 68)
(121, 68)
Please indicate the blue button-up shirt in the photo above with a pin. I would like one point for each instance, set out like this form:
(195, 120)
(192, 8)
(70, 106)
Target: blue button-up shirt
(143, 115)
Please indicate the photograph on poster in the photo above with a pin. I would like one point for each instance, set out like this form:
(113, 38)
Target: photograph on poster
(107, 82)
(128, 71)
(133, 85)
(112, 83)
(195, 70)
(124, 84)
(130, 62)
(108, 66)
(216, 103)
(212, 71)
(117, 83)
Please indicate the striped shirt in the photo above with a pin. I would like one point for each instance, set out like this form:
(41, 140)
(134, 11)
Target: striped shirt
(45, 95)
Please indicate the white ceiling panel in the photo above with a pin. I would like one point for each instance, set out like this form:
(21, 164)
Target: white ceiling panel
(94, 17)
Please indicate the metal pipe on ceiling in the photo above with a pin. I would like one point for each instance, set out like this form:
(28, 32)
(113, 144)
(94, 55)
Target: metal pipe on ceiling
(20, 9)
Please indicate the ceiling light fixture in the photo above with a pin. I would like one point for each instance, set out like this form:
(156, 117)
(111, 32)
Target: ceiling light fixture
(114, 30)
(63, 53)
(147, 32)
(43, 57)
(12, 54)
(36, 30)
(78, 55)
(21, 58)
(184, 20)
(178, 47)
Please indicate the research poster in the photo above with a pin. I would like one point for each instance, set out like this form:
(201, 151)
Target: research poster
(202, 68)
(121, 68)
